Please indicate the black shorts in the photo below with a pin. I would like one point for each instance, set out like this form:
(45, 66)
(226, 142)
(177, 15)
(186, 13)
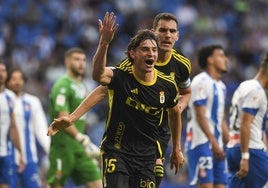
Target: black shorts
(163, 139)
(121, 171)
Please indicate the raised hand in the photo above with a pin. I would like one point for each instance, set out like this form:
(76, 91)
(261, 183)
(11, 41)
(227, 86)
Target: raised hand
(107, 27)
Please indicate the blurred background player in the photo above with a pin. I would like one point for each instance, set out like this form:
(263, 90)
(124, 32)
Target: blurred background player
(32, 126)
(204, 143)
(246, 151)
(8, 130)
(68, 157)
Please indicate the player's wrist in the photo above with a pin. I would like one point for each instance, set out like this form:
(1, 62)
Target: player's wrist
(245, 155)
(72, 118)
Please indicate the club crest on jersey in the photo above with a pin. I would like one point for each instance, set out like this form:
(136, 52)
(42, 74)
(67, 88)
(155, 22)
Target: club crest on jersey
(162, 97)
(135, 91)
(172, 74)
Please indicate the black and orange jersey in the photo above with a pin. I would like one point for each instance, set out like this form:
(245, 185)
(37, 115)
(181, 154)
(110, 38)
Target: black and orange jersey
(136, 110)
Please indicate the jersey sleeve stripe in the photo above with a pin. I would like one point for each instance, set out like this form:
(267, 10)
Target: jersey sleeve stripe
(168, 78)
(183, 60)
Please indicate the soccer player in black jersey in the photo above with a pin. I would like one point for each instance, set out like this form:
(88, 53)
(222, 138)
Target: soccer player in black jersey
(170, 62)
(173, 63)
(139, 96)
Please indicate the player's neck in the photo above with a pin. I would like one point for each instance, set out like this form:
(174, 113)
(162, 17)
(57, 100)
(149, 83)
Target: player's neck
(262, 79)
(143, 75)
(74, 77)
(2, 88)
(214, 74)
(163, 56)
(19, 93)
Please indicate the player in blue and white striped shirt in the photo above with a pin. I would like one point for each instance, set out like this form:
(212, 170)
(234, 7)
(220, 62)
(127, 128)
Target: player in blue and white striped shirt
(246, 151)
(8, 131)
(204, 141)
(32, 125)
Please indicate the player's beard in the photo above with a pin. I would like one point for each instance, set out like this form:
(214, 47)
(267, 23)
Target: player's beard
(78, 73)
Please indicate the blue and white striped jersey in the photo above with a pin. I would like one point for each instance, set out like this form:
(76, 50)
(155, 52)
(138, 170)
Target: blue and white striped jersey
(6, 108)
(209, 93)
(32, 126)
(249, 97)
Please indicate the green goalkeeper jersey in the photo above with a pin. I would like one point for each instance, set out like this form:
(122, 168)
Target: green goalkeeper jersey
(66, 94)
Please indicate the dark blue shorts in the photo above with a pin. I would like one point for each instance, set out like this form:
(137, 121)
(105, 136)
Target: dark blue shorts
(258, 168)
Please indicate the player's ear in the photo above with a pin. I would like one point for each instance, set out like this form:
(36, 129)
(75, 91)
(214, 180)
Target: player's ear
(210, 60)
(178, 36)
(132, 54)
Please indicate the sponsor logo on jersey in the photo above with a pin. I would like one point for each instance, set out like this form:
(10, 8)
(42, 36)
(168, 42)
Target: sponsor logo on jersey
(147, 183)
(143, 107)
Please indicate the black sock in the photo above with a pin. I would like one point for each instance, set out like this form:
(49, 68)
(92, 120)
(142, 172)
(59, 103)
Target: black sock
(158, 181)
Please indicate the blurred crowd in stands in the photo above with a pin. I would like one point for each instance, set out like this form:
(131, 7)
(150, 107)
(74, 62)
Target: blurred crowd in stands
(34, 34)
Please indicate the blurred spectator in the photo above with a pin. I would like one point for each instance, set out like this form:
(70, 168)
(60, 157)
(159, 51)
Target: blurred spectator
(32, 125)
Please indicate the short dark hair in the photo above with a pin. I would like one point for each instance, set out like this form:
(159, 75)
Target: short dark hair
(141, 36)
(206, 51)
(164, 16)
(69, 52)
(16, 69)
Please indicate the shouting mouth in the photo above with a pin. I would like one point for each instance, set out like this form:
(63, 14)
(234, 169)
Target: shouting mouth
(149, 62)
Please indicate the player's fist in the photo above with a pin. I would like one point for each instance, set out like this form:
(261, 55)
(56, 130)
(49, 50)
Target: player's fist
(83, 139)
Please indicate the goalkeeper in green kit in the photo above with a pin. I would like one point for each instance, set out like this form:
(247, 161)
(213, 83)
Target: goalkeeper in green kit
(69, 152)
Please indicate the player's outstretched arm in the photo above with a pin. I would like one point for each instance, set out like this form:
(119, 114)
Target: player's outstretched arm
(94, 97)
(58, 124)
(97, 95)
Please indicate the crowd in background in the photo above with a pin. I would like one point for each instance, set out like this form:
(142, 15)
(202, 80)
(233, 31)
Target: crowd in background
(34, 34)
